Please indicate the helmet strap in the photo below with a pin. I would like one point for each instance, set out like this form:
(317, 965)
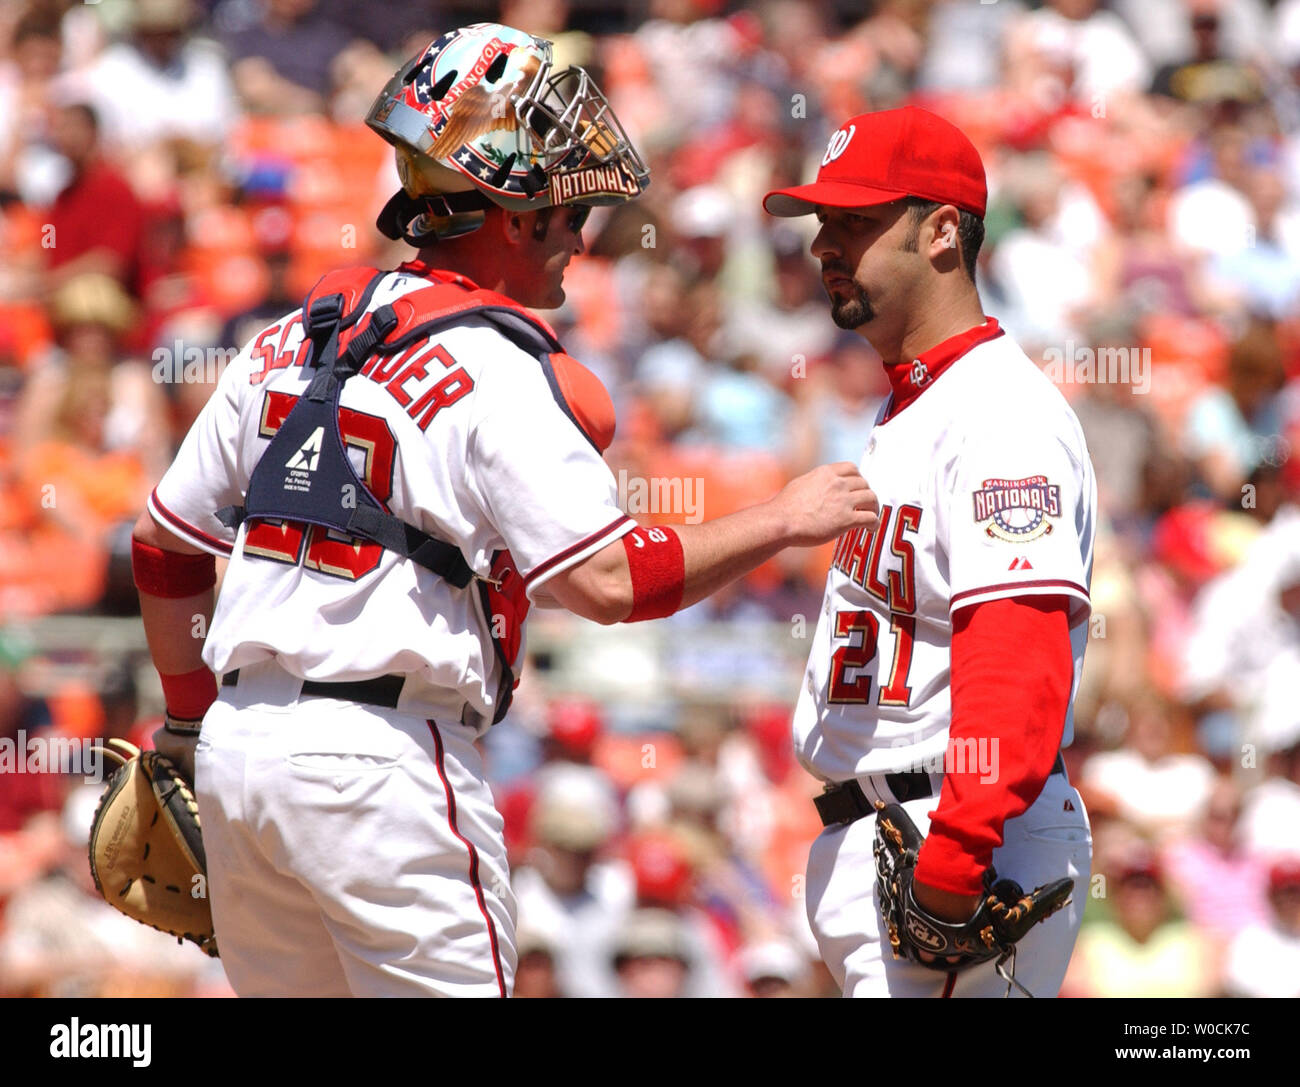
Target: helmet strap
(399, 217)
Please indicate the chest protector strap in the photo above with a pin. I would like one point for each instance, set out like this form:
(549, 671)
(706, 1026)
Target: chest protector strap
(305, 473)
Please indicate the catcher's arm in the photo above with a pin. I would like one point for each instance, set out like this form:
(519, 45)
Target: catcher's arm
(175, 627)
(812, 509)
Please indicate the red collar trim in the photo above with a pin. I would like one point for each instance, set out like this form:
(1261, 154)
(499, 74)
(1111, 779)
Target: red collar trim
(439, 275)
(908, 380)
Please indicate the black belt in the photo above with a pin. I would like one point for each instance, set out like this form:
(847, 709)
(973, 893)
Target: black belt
(381, 691)
(845, 802)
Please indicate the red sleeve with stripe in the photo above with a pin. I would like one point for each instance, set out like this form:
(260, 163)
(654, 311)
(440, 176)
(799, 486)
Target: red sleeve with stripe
(1012, 669)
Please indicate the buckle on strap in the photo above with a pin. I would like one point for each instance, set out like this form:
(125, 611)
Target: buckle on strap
(324, 312)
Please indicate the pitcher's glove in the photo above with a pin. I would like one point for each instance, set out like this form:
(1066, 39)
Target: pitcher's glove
(146, 854)
(1002, 919)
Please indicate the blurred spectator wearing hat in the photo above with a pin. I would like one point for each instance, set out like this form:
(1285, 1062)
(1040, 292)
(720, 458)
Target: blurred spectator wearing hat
(94, 223)
(1264, 960)
(1206, 72)
(160, 82)
(88, 391)
(665, 877)
(650, 957)
(1143, 950)
(566, 888)
(775, 968)
(1189, 547)
(571, 731)
(90, 433)
(535, 974)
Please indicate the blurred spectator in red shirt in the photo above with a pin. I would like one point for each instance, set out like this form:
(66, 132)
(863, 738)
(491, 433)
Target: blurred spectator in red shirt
(95, 220)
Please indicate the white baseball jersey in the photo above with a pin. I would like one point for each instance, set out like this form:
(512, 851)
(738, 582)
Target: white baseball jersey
(986, 491)
(460, 436)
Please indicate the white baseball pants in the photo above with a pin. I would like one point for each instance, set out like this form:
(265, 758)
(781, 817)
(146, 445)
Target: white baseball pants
(351, 849)
(1051, 840)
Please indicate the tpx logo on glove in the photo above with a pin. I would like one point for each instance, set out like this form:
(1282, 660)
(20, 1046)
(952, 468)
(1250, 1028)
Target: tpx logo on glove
(920, 932)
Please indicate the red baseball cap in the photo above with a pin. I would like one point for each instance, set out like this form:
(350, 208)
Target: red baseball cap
(876, 158)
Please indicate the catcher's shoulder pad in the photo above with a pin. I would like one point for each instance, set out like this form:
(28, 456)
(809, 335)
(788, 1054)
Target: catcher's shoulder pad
(146, 848)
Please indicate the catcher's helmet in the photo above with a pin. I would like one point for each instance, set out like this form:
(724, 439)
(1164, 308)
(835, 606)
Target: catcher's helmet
(479, 118)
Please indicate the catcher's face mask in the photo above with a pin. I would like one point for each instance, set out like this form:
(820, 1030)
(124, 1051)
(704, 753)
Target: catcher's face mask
(480, 117)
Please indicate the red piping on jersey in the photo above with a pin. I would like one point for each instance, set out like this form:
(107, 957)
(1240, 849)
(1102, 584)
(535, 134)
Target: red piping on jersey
(586, 541)
(185, 526)
(948, 985)
(473, 856)
(952, 605)
(933, 362)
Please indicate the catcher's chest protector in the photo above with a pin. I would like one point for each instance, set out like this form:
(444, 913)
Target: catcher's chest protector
(305, 473)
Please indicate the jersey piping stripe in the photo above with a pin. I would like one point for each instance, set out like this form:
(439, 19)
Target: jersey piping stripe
(473, 856)
(185, 527)
(568, 552)
(966, 593)
(948, 985)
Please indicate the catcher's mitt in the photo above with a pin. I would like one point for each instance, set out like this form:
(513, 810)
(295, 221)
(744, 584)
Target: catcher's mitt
(146, 854)
(1003, 918)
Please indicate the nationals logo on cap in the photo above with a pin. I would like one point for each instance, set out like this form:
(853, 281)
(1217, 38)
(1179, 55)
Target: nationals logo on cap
(838, 145)
(877, 158)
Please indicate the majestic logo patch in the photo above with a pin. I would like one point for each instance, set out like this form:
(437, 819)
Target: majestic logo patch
(839, 143)
(1017, 509)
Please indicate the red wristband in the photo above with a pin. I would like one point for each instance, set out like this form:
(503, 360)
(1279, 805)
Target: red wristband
(189, 694)
(658, 568)
(170, 574)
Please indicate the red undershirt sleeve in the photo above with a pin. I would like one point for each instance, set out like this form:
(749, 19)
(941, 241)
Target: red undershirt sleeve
(1012, 670)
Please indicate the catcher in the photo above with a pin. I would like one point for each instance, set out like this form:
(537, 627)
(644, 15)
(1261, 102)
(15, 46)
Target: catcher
(941, 678)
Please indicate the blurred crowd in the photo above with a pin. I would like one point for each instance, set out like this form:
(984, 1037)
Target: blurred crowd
(174, 174)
